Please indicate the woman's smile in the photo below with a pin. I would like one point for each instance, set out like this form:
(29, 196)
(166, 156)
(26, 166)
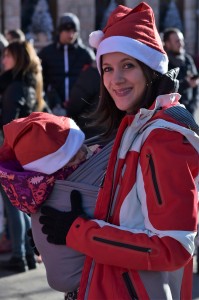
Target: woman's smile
(122, 92)
(124, 80)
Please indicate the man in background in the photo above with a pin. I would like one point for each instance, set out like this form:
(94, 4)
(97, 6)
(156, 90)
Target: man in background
(188, 76)
(62, 62)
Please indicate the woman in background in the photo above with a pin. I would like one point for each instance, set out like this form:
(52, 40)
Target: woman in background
(21, 84)
(21, 87)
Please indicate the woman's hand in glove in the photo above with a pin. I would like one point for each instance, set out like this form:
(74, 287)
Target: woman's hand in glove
(56, 224)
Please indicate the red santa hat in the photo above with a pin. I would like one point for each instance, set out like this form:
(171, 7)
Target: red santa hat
(133, 32)
(43, 142)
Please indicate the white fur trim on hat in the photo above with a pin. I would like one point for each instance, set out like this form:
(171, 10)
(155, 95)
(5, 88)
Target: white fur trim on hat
(56, 160)
(156, 60)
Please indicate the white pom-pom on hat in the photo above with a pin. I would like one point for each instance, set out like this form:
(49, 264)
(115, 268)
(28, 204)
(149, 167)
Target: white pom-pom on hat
(95, 38)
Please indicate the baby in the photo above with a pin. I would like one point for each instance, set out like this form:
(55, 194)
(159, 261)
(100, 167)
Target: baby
(42, 151)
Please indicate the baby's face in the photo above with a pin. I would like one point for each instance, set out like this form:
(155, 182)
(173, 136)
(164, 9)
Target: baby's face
(79, 157)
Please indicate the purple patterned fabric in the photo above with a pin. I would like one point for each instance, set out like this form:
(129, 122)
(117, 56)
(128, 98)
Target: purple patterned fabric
(27, 190)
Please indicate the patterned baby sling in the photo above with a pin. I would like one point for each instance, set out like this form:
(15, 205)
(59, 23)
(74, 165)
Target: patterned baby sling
(63, 264)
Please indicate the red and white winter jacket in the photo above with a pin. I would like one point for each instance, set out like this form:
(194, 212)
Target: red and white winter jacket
(140, 245)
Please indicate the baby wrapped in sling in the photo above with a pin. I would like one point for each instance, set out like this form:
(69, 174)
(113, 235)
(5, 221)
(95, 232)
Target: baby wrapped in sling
(42, 160)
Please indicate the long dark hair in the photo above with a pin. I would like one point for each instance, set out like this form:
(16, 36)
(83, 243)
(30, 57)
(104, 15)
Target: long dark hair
(27, 62)
(108, 117)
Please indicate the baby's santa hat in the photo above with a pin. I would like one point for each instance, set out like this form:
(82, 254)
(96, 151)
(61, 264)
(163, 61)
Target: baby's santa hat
(133, 32)
(43, 142)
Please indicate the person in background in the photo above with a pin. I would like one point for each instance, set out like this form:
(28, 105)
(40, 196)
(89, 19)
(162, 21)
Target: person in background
(145, 208)
(5, 244)
(3, 44)
(21, 84)
(188, 76)
(15, 35)
(62, 62)
(21, 87)
(84, 98)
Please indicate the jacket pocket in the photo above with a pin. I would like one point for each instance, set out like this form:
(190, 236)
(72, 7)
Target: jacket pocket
(154, 179)
(129, 285)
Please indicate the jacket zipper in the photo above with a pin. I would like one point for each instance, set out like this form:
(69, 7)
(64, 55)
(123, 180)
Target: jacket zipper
(154, 179)
(123, 245)
(130, 286)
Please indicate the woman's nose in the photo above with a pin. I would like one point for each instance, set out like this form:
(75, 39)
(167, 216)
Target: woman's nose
(118, 77)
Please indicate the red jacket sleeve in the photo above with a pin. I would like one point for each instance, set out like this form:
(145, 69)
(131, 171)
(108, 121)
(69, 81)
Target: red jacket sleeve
(172, 214)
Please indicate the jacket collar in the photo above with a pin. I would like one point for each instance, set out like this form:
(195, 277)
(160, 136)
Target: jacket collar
(162, 101)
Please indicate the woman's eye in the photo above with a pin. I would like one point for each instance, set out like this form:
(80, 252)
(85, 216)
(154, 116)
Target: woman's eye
(106, 69)
(128, 66)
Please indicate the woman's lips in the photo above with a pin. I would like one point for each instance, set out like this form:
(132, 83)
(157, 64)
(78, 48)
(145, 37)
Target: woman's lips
(122, 92)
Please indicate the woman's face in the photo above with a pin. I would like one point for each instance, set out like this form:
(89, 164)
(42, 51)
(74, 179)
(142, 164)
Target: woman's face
(8, 61)
(124, 80)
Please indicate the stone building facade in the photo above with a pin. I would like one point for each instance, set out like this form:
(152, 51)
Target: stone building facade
(10, 16)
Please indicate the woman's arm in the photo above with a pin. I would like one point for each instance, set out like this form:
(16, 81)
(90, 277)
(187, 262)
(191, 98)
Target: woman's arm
(167, 241)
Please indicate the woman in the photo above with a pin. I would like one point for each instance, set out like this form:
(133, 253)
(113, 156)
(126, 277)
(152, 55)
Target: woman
(21, 84)
(21, 89)
(141, 243)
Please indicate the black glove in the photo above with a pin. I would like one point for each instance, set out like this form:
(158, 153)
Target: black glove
(31, 241)
(56, 224)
